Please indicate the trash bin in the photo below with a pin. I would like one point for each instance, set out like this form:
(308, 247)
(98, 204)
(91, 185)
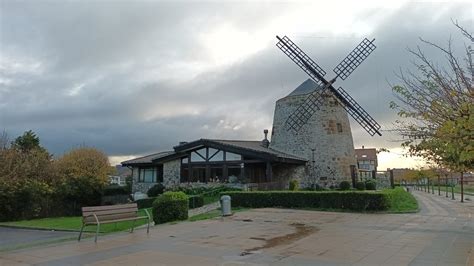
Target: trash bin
(225, 205)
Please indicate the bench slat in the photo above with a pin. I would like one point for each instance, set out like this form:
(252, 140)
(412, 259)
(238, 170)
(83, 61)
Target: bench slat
(119, 220)
(111, 217)
(105, 212)
(109, 207)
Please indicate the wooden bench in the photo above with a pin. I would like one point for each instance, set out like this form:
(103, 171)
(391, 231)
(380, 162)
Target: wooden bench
(97, 215)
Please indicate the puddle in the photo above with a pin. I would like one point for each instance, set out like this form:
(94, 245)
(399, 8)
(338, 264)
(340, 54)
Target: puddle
(301, 231)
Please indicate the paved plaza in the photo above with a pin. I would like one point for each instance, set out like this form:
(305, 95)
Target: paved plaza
(442, 233)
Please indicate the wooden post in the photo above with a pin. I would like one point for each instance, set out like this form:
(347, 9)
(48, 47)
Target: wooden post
(392, 182)
(439, 187)
(268, 171)
(462, 187)
(446, 185)
(353, 175)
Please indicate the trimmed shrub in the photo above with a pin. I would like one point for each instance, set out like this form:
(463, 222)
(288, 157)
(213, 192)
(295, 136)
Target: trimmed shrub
(345, 185)
(360, 185)
(350, 200)
(293, 186)
(196, 201)
(370, 184)
(145, 203)
(170, 206)
(156, 190)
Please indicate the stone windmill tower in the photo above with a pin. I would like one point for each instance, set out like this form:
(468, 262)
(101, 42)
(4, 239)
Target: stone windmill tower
(326, 137)
(312, 121)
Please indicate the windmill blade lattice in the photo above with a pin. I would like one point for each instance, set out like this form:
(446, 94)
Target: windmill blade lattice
(302, 60)
(354, 58)
(357, 112)
(303, 113)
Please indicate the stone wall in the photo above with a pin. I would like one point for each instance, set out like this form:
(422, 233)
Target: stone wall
(139, 187)
(171, 173)
(285, 173)
(327, 131)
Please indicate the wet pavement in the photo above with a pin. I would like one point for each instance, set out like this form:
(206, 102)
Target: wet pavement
(442, 233)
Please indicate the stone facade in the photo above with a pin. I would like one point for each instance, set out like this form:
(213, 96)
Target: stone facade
(328, 132)
(285, 173)
(138, 186)
(171, 173)
(171, 177)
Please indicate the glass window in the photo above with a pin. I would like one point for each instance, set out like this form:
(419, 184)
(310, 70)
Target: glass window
(232, 157)
(197, 156)
(218, 156)
(339, 127)
(147, 175)
(184, 160)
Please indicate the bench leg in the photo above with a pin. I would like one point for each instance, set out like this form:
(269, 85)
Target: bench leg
(133, 226)
(148, 227)
(97, 232)
(80, 233)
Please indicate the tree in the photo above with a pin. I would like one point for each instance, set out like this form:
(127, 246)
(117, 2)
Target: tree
(436, 107)
(25, 159)
(26, 142)
(85, 162)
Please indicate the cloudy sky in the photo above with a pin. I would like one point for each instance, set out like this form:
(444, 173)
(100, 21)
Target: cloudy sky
(133, 78)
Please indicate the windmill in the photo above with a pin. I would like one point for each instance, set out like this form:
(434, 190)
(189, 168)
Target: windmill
(314, 99)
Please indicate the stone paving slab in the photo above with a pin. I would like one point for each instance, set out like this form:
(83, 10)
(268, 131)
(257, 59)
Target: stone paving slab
(441, 234)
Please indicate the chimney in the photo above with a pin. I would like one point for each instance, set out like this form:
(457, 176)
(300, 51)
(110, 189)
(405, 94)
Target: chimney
(265, 142)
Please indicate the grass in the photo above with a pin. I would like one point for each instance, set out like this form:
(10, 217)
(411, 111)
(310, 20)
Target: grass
(468, 189)
(74, 224)
(401, 201)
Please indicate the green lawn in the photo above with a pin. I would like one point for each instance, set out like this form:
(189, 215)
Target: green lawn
(75, 223)
(468, 189)
(401, 201)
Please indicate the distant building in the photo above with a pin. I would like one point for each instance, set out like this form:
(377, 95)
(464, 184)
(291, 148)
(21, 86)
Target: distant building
(366, 161)
(121, 176)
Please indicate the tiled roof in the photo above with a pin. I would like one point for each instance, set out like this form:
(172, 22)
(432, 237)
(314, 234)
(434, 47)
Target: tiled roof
(148, 158)
(367, 154)
(247, 145)
(304, 88)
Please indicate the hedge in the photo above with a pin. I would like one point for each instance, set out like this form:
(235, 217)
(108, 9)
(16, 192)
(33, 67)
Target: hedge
(145, 203)
(196, 201)
(170, 206)
(350, 200)
(156, 190)
(113, 190)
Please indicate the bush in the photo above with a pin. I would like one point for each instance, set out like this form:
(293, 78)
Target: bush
(360, 185)
(370, 184)
(350, 200)
(293, 186)
(156, 190)
(170, 206)
(345, 185)
(24, 199)
(113, 190)
(196, 201)
(145, 203)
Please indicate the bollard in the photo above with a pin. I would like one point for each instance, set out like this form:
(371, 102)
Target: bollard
(226, 206)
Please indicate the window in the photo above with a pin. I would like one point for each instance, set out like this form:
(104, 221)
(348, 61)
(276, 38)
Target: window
(215, 155)
(199, 155)
(232, 157)
(339, 127)
(147, 175)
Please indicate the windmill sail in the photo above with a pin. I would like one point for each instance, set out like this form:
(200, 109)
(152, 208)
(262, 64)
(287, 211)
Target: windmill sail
(314, 100)
(302, 60)
(357, 112)
(354, 58)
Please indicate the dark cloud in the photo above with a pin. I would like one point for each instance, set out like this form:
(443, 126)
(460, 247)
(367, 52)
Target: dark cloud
(132, 78)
